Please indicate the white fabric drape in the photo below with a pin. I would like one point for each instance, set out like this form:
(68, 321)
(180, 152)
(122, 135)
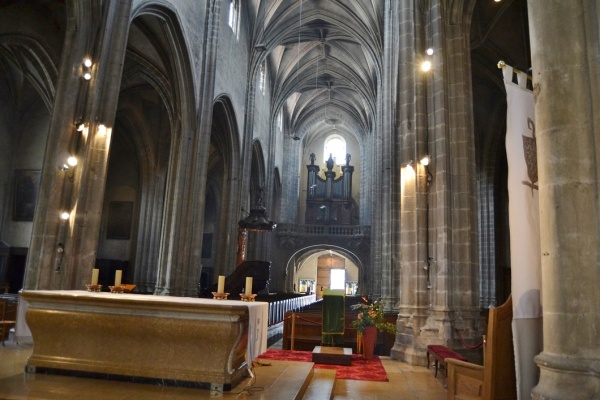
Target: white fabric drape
(524, 226)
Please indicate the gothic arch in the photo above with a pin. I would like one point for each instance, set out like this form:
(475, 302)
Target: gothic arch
(298, 257)
(155, 112)
(223, 186)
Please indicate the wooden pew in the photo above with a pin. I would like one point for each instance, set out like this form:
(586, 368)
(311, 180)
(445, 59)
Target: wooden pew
(496, 379)
(8, 318)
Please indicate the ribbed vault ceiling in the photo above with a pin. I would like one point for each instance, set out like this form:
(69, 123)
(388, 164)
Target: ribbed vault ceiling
(325, 59)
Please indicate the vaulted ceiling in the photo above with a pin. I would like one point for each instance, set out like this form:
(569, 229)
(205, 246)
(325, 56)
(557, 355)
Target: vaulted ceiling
(327, 60)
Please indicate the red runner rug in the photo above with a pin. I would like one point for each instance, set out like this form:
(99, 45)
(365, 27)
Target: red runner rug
(361, 369)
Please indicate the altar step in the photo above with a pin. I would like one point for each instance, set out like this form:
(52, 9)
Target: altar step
(300, 381)
(321, 385)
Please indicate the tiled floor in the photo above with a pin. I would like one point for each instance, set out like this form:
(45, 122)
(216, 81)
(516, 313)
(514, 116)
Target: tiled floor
(405, 382)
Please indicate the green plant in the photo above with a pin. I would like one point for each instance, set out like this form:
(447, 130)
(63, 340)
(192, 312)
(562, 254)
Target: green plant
(371, 314)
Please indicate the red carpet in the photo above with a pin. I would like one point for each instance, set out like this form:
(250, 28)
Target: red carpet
(361, 369)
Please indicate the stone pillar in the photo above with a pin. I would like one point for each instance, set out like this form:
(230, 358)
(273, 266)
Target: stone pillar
(81, 194)
(410, 231)
(566, 77)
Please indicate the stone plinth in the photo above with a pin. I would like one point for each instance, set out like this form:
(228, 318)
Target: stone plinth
(172, 338)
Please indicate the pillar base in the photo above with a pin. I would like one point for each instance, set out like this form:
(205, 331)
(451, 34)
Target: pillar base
(567, 378)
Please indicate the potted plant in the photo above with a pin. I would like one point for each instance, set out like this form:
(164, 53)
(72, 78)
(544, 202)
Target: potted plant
(369, 321)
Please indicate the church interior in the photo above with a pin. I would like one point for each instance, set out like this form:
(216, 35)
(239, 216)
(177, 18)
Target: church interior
(178, 148)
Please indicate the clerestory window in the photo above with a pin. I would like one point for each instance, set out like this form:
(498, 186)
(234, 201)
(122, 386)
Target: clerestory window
(234, 17)
(262, 77)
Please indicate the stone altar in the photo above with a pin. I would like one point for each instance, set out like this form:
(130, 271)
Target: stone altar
(203, 341)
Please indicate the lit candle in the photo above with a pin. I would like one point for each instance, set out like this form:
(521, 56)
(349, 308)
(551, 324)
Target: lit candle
(118, 275)
(221, 286)
(248, 285)
(95, 272)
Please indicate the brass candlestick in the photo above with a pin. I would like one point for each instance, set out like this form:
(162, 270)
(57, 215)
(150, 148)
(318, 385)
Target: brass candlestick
(220, 296)
(93, 288)
(247, 297)
(116, 289)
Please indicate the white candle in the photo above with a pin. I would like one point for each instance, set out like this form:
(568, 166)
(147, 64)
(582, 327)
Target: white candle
(248, 285)
(221, 286)
(95, 272)
(118, 275)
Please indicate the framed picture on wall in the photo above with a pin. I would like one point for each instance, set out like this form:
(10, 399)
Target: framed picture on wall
(27, 183)
(120, 215)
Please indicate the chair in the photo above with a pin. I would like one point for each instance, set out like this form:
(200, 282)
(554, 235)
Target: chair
(496, 378)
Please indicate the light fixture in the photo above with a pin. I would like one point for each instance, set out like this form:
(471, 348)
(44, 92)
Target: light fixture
(64, 167)
(409, 165)
(426, 66)
(64, 215)
(425, 160)
(72, 161)
(429, 51)
(87, 74)
(101, 130)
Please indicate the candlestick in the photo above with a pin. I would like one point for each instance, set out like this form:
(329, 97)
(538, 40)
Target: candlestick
(248, 285)
(95, 272)
(221, 285)
(118, 275)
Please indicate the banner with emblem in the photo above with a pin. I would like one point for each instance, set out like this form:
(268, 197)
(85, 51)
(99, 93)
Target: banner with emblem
(524, 226)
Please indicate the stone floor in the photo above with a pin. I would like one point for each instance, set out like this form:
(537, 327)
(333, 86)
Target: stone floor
(405, 382)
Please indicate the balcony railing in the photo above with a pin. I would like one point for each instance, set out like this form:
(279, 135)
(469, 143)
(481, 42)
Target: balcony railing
(316, 230)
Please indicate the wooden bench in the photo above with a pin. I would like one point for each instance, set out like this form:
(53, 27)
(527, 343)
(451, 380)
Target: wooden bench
(8, 318)
(496, 378)
(440, 354)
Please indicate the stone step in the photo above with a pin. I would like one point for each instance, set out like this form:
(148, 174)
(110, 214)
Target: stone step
(321, 385)
(291, 383)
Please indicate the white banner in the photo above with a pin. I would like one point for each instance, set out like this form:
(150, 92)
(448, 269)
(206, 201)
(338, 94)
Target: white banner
(524, 226)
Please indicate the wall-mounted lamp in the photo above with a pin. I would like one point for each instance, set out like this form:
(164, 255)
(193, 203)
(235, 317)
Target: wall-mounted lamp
(425, 160)
(64, 215)
(426, 66)
(410, 165)
(72, 161)
(429, 51)
(80, 126)
(87, 72)
(60, 248)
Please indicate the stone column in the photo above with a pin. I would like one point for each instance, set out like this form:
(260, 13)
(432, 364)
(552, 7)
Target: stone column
(410, 136)
(566, 77)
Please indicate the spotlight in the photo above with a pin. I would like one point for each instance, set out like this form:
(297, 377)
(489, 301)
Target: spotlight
(72, 161)
(87, 62)
(87, 76)
(429, 51)
(426, 66)
(425, 160)
(64, 215)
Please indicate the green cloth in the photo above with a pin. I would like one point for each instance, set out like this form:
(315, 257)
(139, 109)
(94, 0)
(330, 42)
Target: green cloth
(332, 332)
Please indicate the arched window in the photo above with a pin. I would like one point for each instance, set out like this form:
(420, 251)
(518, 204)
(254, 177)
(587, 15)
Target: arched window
(234, 16)
(262, 77)
(336, 146)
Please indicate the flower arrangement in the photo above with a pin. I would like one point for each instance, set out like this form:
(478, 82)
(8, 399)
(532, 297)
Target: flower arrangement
(371, 314)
